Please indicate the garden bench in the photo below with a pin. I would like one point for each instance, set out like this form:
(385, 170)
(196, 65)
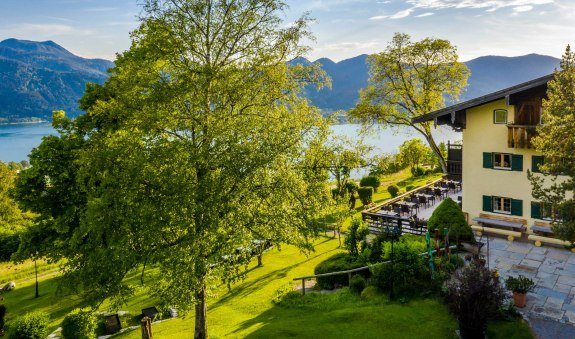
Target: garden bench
(511, 227)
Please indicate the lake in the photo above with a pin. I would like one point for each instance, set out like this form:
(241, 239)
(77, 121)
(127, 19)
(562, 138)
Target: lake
(16, 141)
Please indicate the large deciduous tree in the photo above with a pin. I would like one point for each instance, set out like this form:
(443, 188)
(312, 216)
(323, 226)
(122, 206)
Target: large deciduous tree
(410, 79)
(196, 146)
(556, 140)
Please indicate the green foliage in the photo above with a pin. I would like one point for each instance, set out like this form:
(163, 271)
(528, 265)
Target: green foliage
(474, 295)
(521, 284)
(409, 268)
(32, 325)
(449, 215)
(283, 292)
(365, 195)
(12, 219)
(355, 239)
(555, 140)
(351, 187)
(417, 171)
(371, 180)
(79, 324)
(357, 284)
(369, 292)
(432, 74)
(412, 153)
(409, 188)
(393, 190)
(385, 164)
(336, 263)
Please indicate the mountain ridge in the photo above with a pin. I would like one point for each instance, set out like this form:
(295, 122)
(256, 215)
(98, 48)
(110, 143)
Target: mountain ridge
(39, 77)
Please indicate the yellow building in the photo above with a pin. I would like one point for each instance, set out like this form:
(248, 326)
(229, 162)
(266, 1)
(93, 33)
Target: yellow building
(497, 129)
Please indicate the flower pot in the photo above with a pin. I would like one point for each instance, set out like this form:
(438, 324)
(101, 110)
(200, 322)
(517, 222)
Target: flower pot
(467, 332)
(520, 299)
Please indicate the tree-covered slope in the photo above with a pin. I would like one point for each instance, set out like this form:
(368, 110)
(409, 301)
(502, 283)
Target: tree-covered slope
(39, 77)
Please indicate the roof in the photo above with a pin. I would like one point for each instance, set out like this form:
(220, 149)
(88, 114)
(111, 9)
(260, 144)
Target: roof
(485, 99)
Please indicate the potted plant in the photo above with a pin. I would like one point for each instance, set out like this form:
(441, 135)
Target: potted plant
(519, 286)
(474, 295)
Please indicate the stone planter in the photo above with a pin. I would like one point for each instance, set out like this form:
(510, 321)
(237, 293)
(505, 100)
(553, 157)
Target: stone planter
(520, 299)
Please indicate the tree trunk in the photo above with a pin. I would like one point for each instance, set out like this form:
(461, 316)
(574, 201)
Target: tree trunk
(437, 152)
(201, 330)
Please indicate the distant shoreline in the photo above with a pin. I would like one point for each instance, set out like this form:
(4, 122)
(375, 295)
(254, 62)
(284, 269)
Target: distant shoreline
(24, 123)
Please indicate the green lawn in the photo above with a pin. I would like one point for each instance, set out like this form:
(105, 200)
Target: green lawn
(248, 310)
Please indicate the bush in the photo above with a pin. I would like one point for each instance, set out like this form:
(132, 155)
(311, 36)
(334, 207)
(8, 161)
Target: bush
(410, 270)
(475, 294)
(369, 292)
(393, 190)
(357, 284)
(356, 235)
(365, 195)
(338, 262)
(370, 180)
(79, 324)
(32, 325)
(351, 187)
(449, 214)
(417, 171)
(409, 188)
(9, 242)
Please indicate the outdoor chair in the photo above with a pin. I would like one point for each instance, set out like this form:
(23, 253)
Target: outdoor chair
(438, 193)
(405, 209)
(452, 186)
(423, 201)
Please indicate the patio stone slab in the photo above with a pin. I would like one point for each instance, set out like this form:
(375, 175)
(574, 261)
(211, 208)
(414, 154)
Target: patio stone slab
(530, 263)
(562, 288)
(551, 293)
(535, 256)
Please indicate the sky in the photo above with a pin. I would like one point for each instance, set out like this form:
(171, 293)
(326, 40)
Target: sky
(342, 28)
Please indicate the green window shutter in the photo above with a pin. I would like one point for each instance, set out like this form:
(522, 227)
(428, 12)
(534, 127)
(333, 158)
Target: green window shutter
(517, 162)
(487, 203)
(536, 160)
(535, 210)
(517, 207)
(487, 160)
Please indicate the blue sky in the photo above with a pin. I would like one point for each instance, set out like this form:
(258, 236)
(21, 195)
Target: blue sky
(343, 28)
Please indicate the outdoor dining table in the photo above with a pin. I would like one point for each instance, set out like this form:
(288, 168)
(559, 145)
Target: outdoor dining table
(428, 197)
(411, 205)
(444, 191)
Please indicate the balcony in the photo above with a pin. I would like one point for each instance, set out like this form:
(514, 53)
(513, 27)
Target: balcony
(519, 136)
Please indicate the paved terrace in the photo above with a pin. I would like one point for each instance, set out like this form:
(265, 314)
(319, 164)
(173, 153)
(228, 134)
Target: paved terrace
(552, 269)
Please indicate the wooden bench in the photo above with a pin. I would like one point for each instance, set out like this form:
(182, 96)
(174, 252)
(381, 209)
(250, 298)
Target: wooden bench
(542, 233)
(503, 225)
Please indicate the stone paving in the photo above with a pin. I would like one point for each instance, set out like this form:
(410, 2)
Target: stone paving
(552, 269)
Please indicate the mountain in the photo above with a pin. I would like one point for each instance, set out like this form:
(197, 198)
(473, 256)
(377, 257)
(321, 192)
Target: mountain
(488, 74)
(39, 77)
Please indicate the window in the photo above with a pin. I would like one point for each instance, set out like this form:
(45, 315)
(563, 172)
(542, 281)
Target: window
(502, 161)
(500, 116)
(502, 205)
(541, 210)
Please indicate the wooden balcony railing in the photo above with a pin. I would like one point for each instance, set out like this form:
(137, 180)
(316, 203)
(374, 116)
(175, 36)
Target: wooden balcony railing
(519, 136)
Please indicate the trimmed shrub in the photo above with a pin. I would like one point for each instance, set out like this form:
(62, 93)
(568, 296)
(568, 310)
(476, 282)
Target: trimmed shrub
(393, 190)
(338, 262)
(79, 324)
(417, 171)
(356, 236)
(357, 284)
(351, 187)
(32, 325)
(365, 194)
(409, 188)
(449, 214)
(370, 180)
(369, 292)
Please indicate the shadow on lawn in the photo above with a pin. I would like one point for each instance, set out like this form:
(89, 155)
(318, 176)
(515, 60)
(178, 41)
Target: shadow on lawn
(248, 287)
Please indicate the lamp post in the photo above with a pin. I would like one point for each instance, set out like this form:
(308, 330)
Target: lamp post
(393, 231)
(36, 272)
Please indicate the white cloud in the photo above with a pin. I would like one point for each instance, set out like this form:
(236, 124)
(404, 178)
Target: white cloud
(43, 30)
(488, 5)
(350, 46)
(379, 17)
(424, 15)
(402, 14)
(520, 9)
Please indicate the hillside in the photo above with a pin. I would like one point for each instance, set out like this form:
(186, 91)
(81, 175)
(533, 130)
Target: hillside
(39, 77)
